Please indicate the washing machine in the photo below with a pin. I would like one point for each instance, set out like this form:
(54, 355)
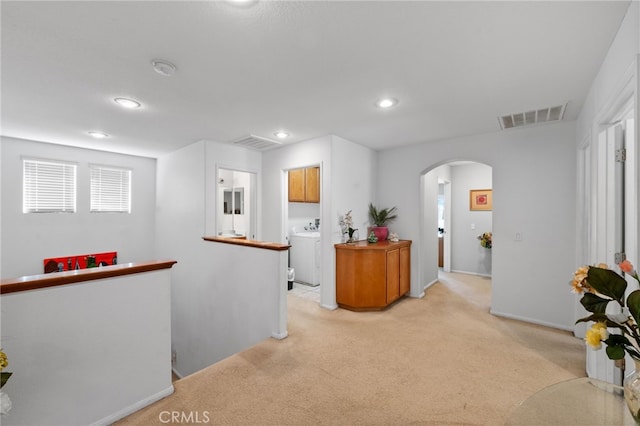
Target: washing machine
(305, 257)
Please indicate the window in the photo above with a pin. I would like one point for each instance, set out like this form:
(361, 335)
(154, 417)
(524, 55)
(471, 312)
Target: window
(110, 189)
(48, 187)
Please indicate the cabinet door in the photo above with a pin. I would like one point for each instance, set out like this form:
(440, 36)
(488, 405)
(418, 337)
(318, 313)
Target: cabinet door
(405, 270)
(296, 185)
(312, 181)
(393, 275)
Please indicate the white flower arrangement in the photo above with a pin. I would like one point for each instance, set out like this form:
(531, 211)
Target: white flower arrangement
(346, 224)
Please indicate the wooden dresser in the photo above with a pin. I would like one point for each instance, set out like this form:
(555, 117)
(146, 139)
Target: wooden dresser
(372, 276)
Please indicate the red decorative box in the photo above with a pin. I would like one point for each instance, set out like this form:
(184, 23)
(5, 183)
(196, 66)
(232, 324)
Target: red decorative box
(69, 263)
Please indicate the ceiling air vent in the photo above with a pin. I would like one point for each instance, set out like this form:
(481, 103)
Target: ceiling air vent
(544, 115)
(256, 142)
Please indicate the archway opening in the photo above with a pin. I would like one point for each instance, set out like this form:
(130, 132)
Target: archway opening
(456, 220)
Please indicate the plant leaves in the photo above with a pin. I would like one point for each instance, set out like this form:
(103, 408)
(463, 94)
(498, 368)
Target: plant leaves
(601, 318)
(615, 352)
(607, 282)
(633, 303)
(4, 376)
(615, 346)
(594, 303)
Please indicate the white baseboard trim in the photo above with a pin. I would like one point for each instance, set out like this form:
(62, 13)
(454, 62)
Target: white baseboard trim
(280, 336)
(430, 284)
(177, 373)
(531, 321)
(329, 307)
(134, 407)
(471, 273)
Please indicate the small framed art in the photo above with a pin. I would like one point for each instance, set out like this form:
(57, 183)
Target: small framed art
(480, 199)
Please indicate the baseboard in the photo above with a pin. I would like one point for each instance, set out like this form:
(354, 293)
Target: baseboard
(329, 307)
(280, 336)
(531, 321)
(471, 273)
(419, 296)
(178, 375)
(430, 284)
(133, 408)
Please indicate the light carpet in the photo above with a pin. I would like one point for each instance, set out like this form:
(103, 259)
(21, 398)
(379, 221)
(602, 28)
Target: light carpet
(439, 360)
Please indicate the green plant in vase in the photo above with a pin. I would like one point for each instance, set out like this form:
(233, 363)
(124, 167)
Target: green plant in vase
(380, 218)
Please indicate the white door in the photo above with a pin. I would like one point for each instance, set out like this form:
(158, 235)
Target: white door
(607, 226)
(447, 227)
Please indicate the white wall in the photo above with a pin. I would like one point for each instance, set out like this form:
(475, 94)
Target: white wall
(354, 175)
(301, 214)
(620, 57)
(529, 276)
(466, 253)
(29, 238)
(424, 250)
(617, 80)
(85, 353)
(219, 305)
(615, 83)
(347, 183)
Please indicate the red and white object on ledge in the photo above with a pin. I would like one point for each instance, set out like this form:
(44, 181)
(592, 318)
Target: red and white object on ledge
(70, 263)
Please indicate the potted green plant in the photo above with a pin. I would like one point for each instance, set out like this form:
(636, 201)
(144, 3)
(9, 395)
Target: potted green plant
(380, 218)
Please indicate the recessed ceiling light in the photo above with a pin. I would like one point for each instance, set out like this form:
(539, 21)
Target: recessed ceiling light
(281, 135)
(163, 67)
(98, 135)
(386, 102)
(127, 103)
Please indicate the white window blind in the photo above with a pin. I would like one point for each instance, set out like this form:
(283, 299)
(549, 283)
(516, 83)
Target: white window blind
(110, 189)
(48, 187)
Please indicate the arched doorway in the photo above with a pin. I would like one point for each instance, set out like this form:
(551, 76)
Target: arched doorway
(452, 220)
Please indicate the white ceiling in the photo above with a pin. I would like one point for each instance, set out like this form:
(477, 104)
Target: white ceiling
(310, 67)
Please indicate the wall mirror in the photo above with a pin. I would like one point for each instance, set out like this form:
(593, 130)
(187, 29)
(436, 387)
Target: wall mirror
(233, 201)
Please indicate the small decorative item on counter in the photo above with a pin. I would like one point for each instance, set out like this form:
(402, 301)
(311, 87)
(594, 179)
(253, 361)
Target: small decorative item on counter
(5, 402)
(372, 238)
(346, 224)
(486, 240)
(393, 237)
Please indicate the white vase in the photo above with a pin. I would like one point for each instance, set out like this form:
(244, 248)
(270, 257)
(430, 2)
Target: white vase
(632, 391)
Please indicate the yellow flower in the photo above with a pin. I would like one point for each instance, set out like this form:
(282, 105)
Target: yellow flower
(3, 360)
(596, 334)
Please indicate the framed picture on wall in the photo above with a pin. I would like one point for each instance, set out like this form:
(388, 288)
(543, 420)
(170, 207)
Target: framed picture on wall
(480, 199)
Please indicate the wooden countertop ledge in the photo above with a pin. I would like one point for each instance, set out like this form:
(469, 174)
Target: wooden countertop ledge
(365, 245)
(248, 243)
(33, 282)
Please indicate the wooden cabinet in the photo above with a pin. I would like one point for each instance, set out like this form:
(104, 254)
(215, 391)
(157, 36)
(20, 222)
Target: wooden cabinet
(304, 185)
(312, 184)
(372, 276)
